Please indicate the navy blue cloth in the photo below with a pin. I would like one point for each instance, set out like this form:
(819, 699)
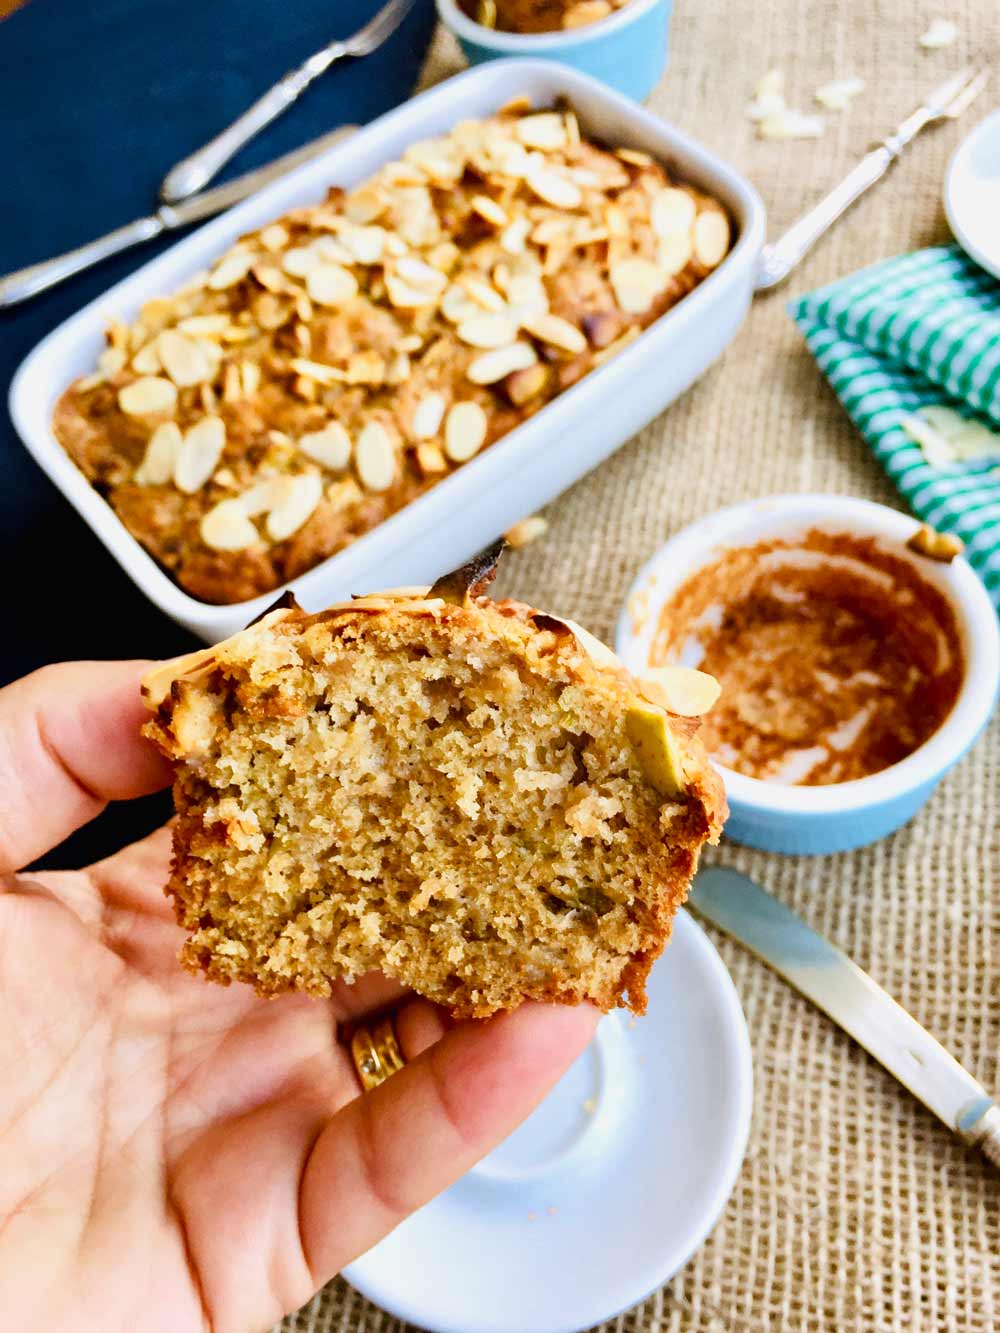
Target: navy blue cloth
(98, 98)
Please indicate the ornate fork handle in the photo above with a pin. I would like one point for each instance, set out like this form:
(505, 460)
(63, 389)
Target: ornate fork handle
(947, 102)
(190, 174)
(779, 258)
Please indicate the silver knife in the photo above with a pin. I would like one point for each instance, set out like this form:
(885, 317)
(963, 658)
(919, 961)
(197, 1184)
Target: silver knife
(195, 171)
(835, 984)
(27, 282)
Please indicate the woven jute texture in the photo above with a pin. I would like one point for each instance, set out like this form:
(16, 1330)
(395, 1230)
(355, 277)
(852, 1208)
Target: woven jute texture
(855, 1208)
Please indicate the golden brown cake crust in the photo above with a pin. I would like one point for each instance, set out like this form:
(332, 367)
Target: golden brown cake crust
(446, 793)
(337, 363)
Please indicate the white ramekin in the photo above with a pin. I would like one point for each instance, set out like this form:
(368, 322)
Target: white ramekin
(848, 814)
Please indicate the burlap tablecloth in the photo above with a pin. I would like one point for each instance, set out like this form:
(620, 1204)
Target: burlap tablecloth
(855, 1209)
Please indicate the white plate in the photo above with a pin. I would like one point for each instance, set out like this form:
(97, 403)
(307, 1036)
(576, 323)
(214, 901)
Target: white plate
(607, 1189)
(972, 194)
(522, 472)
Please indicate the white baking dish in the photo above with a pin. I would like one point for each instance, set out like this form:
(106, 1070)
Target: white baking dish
(525, 469)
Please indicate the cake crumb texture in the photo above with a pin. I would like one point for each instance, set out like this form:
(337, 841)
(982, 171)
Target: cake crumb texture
(443, 793)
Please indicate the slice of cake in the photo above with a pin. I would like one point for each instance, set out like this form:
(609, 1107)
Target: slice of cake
(471, 796)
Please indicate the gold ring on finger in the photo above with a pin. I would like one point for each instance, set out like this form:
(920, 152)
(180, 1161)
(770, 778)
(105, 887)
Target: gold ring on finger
(376, 1054)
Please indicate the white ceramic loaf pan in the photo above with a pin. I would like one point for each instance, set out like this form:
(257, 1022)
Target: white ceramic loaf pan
(525, 469)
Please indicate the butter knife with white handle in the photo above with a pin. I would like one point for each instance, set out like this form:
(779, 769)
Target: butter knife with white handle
(835, 984)
(27, 282)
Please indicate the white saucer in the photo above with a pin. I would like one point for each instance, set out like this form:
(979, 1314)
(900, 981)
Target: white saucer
(607, 1189)
(972, 194)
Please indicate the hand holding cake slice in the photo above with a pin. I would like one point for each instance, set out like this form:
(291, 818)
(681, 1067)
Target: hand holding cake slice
(471, 796)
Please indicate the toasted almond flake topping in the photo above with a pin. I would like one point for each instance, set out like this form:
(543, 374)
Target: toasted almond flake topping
(427, 416)
(199, 454)
(489, 210)
(316, 370)
(464, 431)
(515, 235)
(157, 466)
(300, 261)
(495, 365)
(942, 546)
(184, 360)
(791, 124)
(420, 274)
(586, 11)
(399, 369)
(554, 189)
(556, 332)
(528, 530)
(330, 447)
(545, 130)
(680, 689)
(482, 293)
(375, 457)
(331, 284)
(274, 237)
(365, 368)
(457, 304)
(673, 253)
(526, 297)
(150, 395)
(146, 361)
(204, 326)
(488, 330)
(366, 203)
(231, 269)
(340, 495)
(671, 211)
(156, 311)
(523, 385)
(297, 499)
(941, 32)
(634, 157)
(636, 283)
(365, 244)
(259, 498)
(711, 237)
(769, 96)
(430, 459)
(405, 296)
(226, 527)
(612, 349)
(249, 377)
(112, 360)
(271, 278)
(839, 94)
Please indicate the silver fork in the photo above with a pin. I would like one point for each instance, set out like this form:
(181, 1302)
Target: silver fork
(195, 171)
(946, 102)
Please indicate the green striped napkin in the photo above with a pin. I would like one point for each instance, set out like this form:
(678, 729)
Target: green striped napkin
(906, 335)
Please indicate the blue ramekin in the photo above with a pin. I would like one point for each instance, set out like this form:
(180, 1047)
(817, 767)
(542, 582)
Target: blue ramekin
(627, 50)
(834, 818)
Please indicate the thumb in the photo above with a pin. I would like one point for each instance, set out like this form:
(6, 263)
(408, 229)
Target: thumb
(390, 1151)
(69, 743)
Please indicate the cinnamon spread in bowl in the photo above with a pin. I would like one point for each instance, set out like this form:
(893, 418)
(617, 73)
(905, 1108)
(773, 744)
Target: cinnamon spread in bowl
(837, 659)
(534, 16)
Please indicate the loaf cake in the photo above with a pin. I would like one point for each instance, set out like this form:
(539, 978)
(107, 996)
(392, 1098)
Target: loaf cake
(471, 796)
(335, 364)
